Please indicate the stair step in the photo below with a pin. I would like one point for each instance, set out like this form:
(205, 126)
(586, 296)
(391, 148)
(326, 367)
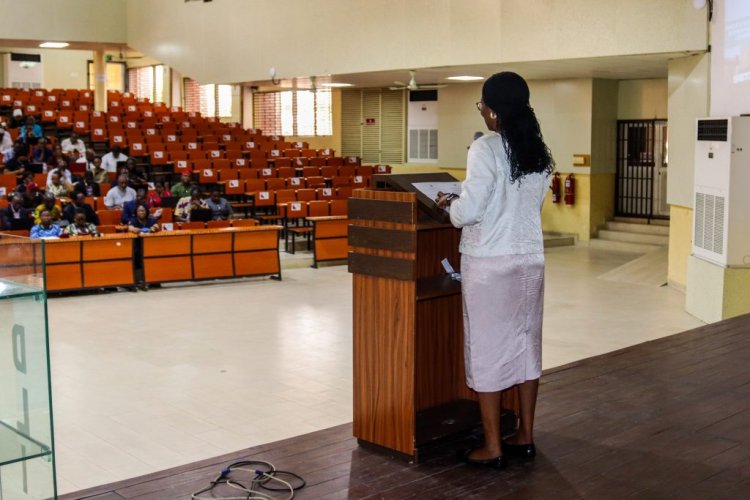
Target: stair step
(637, 228)
(559, 240)
(622, 246)
(650, 239)
(638, 220)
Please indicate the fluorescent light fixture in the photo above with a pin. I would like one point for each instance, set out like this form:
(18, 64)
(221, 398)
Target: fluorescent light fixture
(337, 85)
(54, 45)
(465, 78)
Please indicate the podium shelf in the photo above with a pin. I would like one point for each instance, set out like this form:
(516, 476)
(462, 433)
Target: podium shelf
(435, 287)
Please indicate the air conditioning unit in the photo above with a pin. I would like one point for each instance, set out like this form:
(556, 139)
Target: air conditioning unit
(721, 216)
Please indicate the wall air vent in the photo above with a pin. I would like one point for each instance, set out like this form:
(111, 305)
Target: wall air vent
(713, 130)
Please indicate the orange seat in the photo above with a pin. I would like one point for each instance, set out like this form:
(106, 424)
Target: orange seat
(109, 217)
(244, 222)
(218, 224)
(339, 207)
(318, 208)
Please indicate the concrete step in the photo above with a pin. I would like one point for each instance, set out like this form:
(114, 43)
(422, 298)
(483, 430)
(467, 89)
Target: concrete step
(638, 220)
(558, 240)
(650, 239)
(623, 246)
(637, 228)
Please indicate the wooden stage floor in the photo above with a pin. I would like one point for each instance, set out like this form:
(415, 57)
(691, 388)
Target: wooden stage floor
(665, 419)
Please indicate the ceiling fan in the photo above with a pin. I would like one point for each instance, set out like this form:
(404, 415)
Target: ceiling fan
(412, 85)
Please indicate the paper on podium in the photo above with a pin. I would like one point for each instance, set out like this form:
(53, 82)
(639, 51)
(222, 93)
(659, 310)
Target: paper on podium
(431, 189)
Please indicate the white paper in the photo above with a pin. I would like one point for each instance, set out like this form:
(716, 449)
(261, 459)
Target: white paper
(431, 189)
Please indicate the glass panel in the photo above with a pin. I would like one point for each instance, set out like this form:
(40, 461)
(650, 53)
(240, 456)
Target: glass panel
(159, 83)
(26, 438)
(208, 100)
(305, 113)
(287, 113)
(225, 101)
(323, 113)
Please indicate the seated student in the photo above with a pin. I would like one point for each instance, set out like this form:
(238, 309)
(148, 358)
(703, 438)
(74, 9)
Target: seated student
(80, 226)
(15, 215)
(31, 132)
(73, 147)
(111, 159)
(154, 199)
(58, 158)
(32, 195)
(100, 175)
(120, 194)
(186, 204)
(87, 185)
(48, 204)
(87, 159)
(184, 187)
(19, 162)
(220, 208)
(6, 141)
(124, 171)
(45, 228)
(136, 175)
(143, 222)
(61, 169)
(78, 204)
(41, 153)
(17, 120)
(129, 208)
(59, 186)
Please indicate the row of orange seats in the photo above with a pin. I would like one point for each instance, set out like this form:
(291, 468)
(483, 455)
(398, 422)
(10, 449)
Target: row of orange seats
(228, 174)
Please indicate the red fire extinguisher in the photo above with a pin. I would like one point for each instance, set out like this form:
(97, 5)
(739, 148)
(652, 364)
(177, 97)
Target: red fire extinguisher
(556, 188)
(570, 190)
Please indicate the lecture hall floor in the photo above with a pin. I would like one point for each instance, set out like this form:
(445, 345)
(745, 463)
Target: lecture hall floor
(152, 380)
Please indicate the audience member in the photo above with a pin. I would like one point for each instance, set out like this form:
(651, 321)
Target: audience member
(186, 204)
(87, 159)
(129, 208)
(31, 132)
(78, 203)
(15, 213)
(45, 228)
(80, 226)
(63, 171)
(58, 158)
(17, 120)
(41, 153)
(59, 185)
(120, 194)
(142, 222)
(73, 146)
(100, 175)
(32, 195)
(6, 141)
(19, 162)
(220, 208)
(184, 187)
(87, 186)
(154, 198)
(111, 159)
(135, 174)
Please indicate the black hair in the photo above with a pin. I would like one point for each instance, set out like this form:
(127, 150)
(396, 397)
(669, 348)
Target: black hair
(507, 94)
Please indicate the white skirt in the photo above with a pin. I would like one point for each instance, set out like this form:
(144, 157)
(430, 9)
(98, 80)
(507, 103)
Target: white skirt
(503, 299)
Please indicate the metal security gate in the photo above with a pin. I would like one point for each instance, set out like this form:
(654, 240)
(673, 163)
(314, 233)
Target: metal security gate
(641, 182)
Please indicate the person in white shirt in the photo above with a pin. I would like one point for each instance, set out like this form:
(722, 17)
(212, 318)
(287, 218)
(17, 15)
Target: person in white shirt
(63, 172)
(110, 160)
(88, 159)
(120, 194)
(6, 142)
(73, 146)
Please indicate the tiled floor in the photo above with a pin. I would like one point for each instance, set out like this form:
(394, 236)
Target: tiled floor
(150, 380)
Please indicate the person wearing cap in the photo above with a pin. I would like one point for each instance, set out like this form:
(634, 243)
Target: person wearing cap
(73, 146)
(17, 120)
(184, 187)
(502, 263)
(110, 160)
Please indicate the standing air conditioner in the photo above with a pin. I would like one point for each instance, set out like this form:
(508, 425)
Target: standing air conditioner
(721, 218)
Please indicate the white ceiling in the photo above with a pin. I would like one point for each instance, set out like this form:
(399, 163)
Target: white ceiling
(615, 68)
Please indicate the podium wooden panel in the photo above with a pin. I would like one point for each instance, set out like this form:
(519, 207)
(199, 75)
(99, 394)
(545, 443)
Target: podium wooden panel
(409, 379)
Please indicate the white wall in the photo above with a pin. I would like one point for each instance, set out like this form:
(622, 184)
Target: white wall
(239, 40)
(642, 99)
(64, 69)
(101, 21)
(688, 100)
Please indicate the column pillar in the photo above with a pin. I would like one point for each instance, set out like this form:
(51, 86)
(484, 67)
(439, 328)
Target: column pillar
(100, 81)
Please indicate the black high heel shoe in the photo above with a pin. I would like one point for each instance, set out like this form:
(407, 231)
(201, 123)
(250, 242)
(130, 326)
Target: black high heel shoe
(497, 463)
(525, 452)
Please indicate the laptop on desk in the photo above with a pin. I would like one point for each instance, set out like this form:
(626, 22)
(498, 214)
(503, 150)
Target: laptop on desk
(201, 215)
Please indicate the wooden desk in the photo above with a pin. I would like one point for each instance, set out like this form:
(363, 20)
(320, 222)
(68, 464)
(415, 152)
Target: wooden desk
(85, 262)
(330, 238)
(211, 253)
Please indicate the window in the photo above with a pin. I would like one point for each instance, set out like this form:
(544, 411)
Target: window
(115, 74)
(293, 112)
(209, 100)
(147, 82)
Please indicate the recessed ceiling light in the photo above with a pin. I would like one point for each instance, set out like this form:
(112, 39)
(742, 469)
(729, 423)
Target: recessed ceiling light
(334, 84)
(465, 78)
(54, 45)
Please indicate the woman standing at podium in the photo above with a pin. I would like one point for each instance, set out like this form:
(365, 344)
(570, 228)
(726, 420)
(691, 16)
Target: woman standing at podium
(502, 262)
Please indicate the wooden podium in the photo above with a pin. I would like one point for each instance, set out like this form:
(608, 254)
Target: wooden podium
(409, 381)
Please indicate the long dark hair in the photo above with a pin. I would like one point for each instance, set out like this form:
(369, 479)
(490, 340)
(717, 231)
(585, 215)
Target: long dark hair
(507, 94)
